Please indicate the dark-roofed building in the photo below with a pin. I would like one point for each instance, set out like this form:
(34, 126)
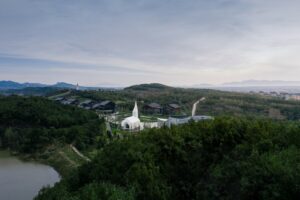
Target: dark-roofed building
(105, 106)
(59, 99)
(153, 108)
(96, 106)
(69, 101)
(86, 102)
(172, 108)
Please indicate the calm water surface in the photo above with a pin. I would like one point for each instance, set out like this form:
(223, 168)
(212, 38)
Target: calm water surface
(21, 180)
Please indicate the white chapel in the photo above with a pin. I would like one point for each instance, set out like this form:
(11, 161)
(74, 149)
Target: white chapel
(133, 122)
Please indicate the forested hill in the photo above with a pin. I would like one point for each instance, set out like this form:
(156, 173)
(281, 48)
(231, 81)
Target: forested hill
(217, 103)
(30, 124)
(148, 87)
(226, 158)
(33, 91)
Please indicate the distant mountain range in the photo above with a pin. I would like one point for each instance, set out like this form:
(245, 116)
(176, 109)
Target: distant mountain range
(11, 85)
(263, 83)
(251, 83)
(256, 86)
(7, 85)
(253, 86)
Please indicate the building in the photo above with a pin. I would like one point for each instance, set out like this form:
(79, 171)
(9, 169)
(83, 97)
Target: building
(153, 108)
(108, 106)
(183, 120)
(59, 99)
(71, 101)
(84, 103)
(96, 106)
(105, 106)
(177, 121)
(132, 123)
(172, 109)
(294, 97)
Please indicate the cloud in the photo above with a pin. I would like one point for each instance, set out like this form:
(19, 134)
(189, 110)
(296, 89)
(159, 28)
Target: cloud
(152, 40)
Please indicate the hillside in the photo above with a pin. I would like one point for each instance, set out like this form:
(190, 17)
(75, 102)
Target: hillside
(217, 102)
(42, 129)
(148, 87)
(11, 85)
(6, 85)
(33, 91)
(227, 158)
(43, 121)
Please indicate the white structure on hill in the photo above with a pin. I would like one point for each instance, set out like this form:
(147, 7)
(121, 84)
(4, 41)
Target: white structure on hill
(133, 122)
(195, 106)
(183, 120)
(135, 111)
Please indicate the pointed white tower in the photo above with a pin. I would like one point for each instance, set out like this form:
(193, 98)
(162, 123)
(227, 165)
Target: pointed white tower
(135, 111)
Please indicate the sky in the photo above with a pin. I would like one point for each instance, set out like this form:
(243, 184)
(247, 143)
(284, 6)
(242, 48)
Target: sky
(125, 42)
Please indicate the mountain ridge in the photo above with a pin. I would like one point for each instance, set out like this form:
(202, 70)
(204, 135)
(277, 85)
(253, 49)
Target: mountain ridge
(262, 83)
(12, 85)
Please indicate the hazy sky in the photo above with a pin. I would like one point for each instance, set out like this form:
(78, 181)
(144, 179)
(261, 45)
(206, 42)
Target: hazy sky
(123, 42)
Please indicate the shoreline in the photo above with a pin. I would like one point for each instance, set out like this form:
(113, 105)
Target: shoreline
(60, 157)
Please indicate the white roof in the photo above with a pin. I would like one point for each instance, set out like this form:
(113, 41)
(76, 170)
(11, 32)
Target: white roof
(162, 120)
(131, 123)
(131, 119)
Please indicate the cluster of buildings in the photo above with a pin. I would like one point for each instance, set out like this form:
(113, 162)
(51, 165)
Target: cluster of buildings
(295, 97)
(133, 123)
(155, 108)
(281, 95)
(88, 104)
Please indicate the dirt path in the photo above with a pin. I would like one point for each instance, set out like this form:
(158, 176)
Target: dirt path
(79, 154)
(67, 158)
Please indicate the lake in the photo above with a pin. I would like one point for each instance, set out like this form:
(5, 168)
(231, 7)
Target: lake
(21, 180)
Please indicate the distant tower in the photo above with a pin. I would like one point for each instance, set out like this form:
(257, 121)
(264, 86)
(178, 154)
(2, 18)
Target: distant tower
(77, 87)
(135, 111)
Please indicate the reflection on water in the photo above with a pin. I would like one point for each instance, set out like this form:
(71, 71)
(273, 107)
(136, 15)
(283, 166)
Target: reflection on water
(22, 180)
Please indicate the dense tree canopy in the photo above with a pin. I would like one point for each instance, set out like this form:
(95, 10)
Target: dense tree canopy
(226, 158)
(29, 124)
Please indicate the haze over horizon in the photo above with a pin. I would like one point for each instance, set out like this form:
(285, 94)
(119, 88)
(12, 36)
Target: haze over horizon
(126, 42)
